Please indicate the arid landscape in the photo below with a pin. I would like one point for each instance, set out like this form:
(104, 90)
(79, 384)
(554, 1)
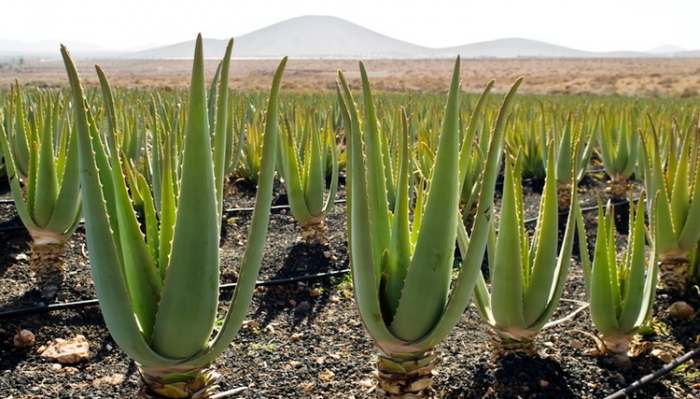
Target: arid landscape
(350, 200)
(640, 77)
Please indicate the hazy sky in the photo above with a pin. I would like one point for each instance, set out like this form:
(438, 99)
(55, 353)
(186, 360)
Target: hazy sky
(584, 24)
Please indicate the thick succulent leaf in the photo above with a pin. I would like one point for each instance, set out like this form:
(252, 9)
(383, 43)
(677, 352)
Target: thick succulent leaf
(16, 189)
(364, 267)
(376, 181)
(67, 209)
(666, 237)
(690, 233)
(462, 287)
(545, 248)
(603, 310)
(507, 285)
(252, 257)
(633, 300)
(46, 181)
(107, 273)
(399, 253)
(20, 140)
(185, 322)
(583, 250)
(563, 263)
(315, 180)
(332, 191)
(680, 196)
(168, 215)
(468, 141)
(220, 133)
(564, 155)
(428, 278)
(289, 166)
(141, 275)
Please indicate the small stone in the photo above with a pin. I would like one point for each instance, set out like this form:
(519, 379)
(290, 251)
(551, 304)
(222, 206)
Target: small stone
(327, 254)
(269, 329)
(67, 351)
(114, 379)
(681, 310)
(24, 339)
(326, 376)
(320, 360)
(296, 337)
(306, 386)
(662, 355)
(56, 366)
(250, 325)
(543, 384)
(22, 256)
(366, 383)
(333, 299)
(576, 344)
(315, 292)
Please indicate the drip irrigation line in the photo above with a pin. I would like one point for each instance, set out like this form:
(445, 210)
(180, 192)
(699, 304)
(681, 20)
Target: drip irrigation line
(223, 287)
(667, 368)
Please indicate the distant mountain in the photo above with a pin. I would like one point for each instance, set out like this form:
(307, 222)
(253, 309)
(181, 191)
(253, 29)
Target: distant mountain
(513, 48)
(47, 48)
(307, 36)
(666, 49)
(316, 36)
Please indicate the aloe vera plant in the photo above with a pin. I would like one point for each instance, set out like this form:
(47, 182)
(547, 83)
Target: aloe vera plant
(402, 271)
(573, 148)
(621, 291)
(159, 293)
(527, 279)
(619, 148)
(43, 171)
(302, 168)
(674, 202)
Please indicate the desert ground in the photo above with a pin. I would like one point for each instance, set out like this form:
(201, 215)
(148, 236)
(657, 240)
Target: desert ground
(640, 77)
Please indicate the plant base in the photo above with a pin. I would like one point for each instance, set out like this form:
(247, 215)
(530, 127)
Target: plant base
(618, 187)
(314, 232)
(510, 344)
(406, 376)
(564, 196)
(673, 274)
(617, 349)
(47, 263)
(177, 383)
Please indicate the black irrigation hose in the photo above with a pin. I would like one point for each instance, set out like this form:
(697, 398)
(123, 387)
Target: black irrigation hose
(223, 287)
(667, 368)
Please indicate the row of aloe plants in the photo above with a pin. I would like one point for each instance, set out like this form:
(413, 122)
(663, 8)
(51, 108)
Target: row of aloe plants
(152, 202)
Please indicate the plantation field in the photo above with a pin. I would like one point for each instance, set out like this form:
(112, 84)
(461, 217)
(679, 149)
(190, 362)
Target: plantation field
(385, 237)
(643, 77)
